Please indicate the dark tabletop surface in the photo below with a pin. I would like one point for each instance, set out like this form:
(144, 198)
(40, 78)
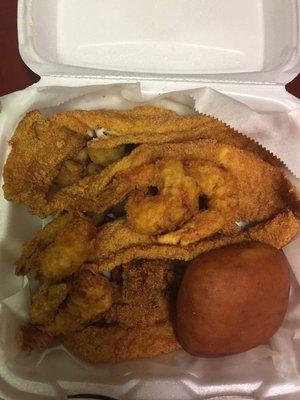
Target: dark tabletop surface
(15, 75)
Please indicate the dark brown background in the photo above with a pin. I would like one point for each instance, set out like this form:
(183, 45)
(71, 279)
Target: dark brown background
(15, 75)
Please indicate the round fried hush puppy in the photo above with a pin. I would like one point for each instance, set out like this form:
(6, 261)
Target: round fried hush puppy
(232, 299)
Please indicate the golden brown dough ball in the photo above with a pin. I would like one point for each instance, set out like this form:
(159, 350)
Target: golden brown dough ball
(232, 299)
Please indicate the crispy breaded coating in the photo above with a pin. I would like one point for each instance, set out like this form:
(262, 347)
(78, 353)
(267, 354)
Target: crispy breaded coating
(70, 305)
(32, 173)
(209, 128)
(41, 240)
(70, 249)
(31, 338)
(176, 201)
(277, 232)
(70, 246)
(39, 146)
(237, 186)
(89, 297)
(147, 294)
(142, 119)
(260, 186)
(116, 235)
(112, 344)
(46, 301)
(145, 297)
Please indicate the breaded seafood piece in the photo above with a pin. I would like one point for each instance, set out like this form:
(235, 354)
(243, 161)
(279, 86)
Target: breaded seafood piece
(65, 307)
(175, 203)
(112, 344)
(89, 297)
(236, 186)
(39, 147)
(46, 301)
(43, 146)
(41, 240)
(148, 292)
(115, 236)
(277, 232)
(60, 250)
(31, 338)
(261, 188)
(208, 128)
(62, 150)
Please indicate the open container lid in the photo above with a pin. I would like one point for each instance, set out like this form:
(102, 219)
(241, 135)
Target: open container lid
(245, 41)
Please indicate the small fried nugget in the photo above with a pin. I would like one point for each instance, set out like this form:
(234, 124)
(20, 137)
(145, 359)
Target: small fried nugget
(45, 303)
(89, 297)
(41, 240)
(70, 248)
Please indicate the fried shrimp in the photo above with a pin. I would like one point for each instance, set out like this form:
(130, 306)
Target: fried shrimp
(175, 203)
(219, 191)
(259, 185)
(41, 240)
(107, 156)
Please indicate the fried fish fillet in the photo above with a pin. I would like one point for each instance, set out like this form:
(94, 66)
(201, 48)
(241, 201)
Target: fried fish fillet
(148, 292)
(49, 153)
(39, 146)
(112, 344)
(116, 244)
(210, 129)
(277, 232)
(147, 124)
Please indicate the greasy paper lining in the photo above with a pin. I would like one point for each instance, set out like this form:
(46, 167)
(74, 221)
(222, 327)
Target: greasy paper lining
(275, 361)
(278, 132)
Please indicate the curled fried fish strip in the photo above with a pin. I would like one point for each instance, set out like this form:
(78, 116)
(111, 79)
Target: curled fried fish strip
(254, 174)
(277, 232)
(111, 344)
(32, 174)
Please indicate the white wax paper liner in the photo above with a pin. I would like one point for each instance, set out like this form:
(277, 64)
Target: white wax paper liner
(279, 132)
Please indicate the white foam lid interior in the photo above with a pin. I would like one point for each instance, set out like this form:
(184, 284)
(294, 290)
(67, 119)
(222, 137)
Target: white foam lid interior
(238, 40)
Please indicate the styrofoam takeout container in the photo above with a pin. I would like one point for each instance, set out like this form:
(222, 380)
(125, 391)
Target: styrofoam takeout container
(247, 49)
